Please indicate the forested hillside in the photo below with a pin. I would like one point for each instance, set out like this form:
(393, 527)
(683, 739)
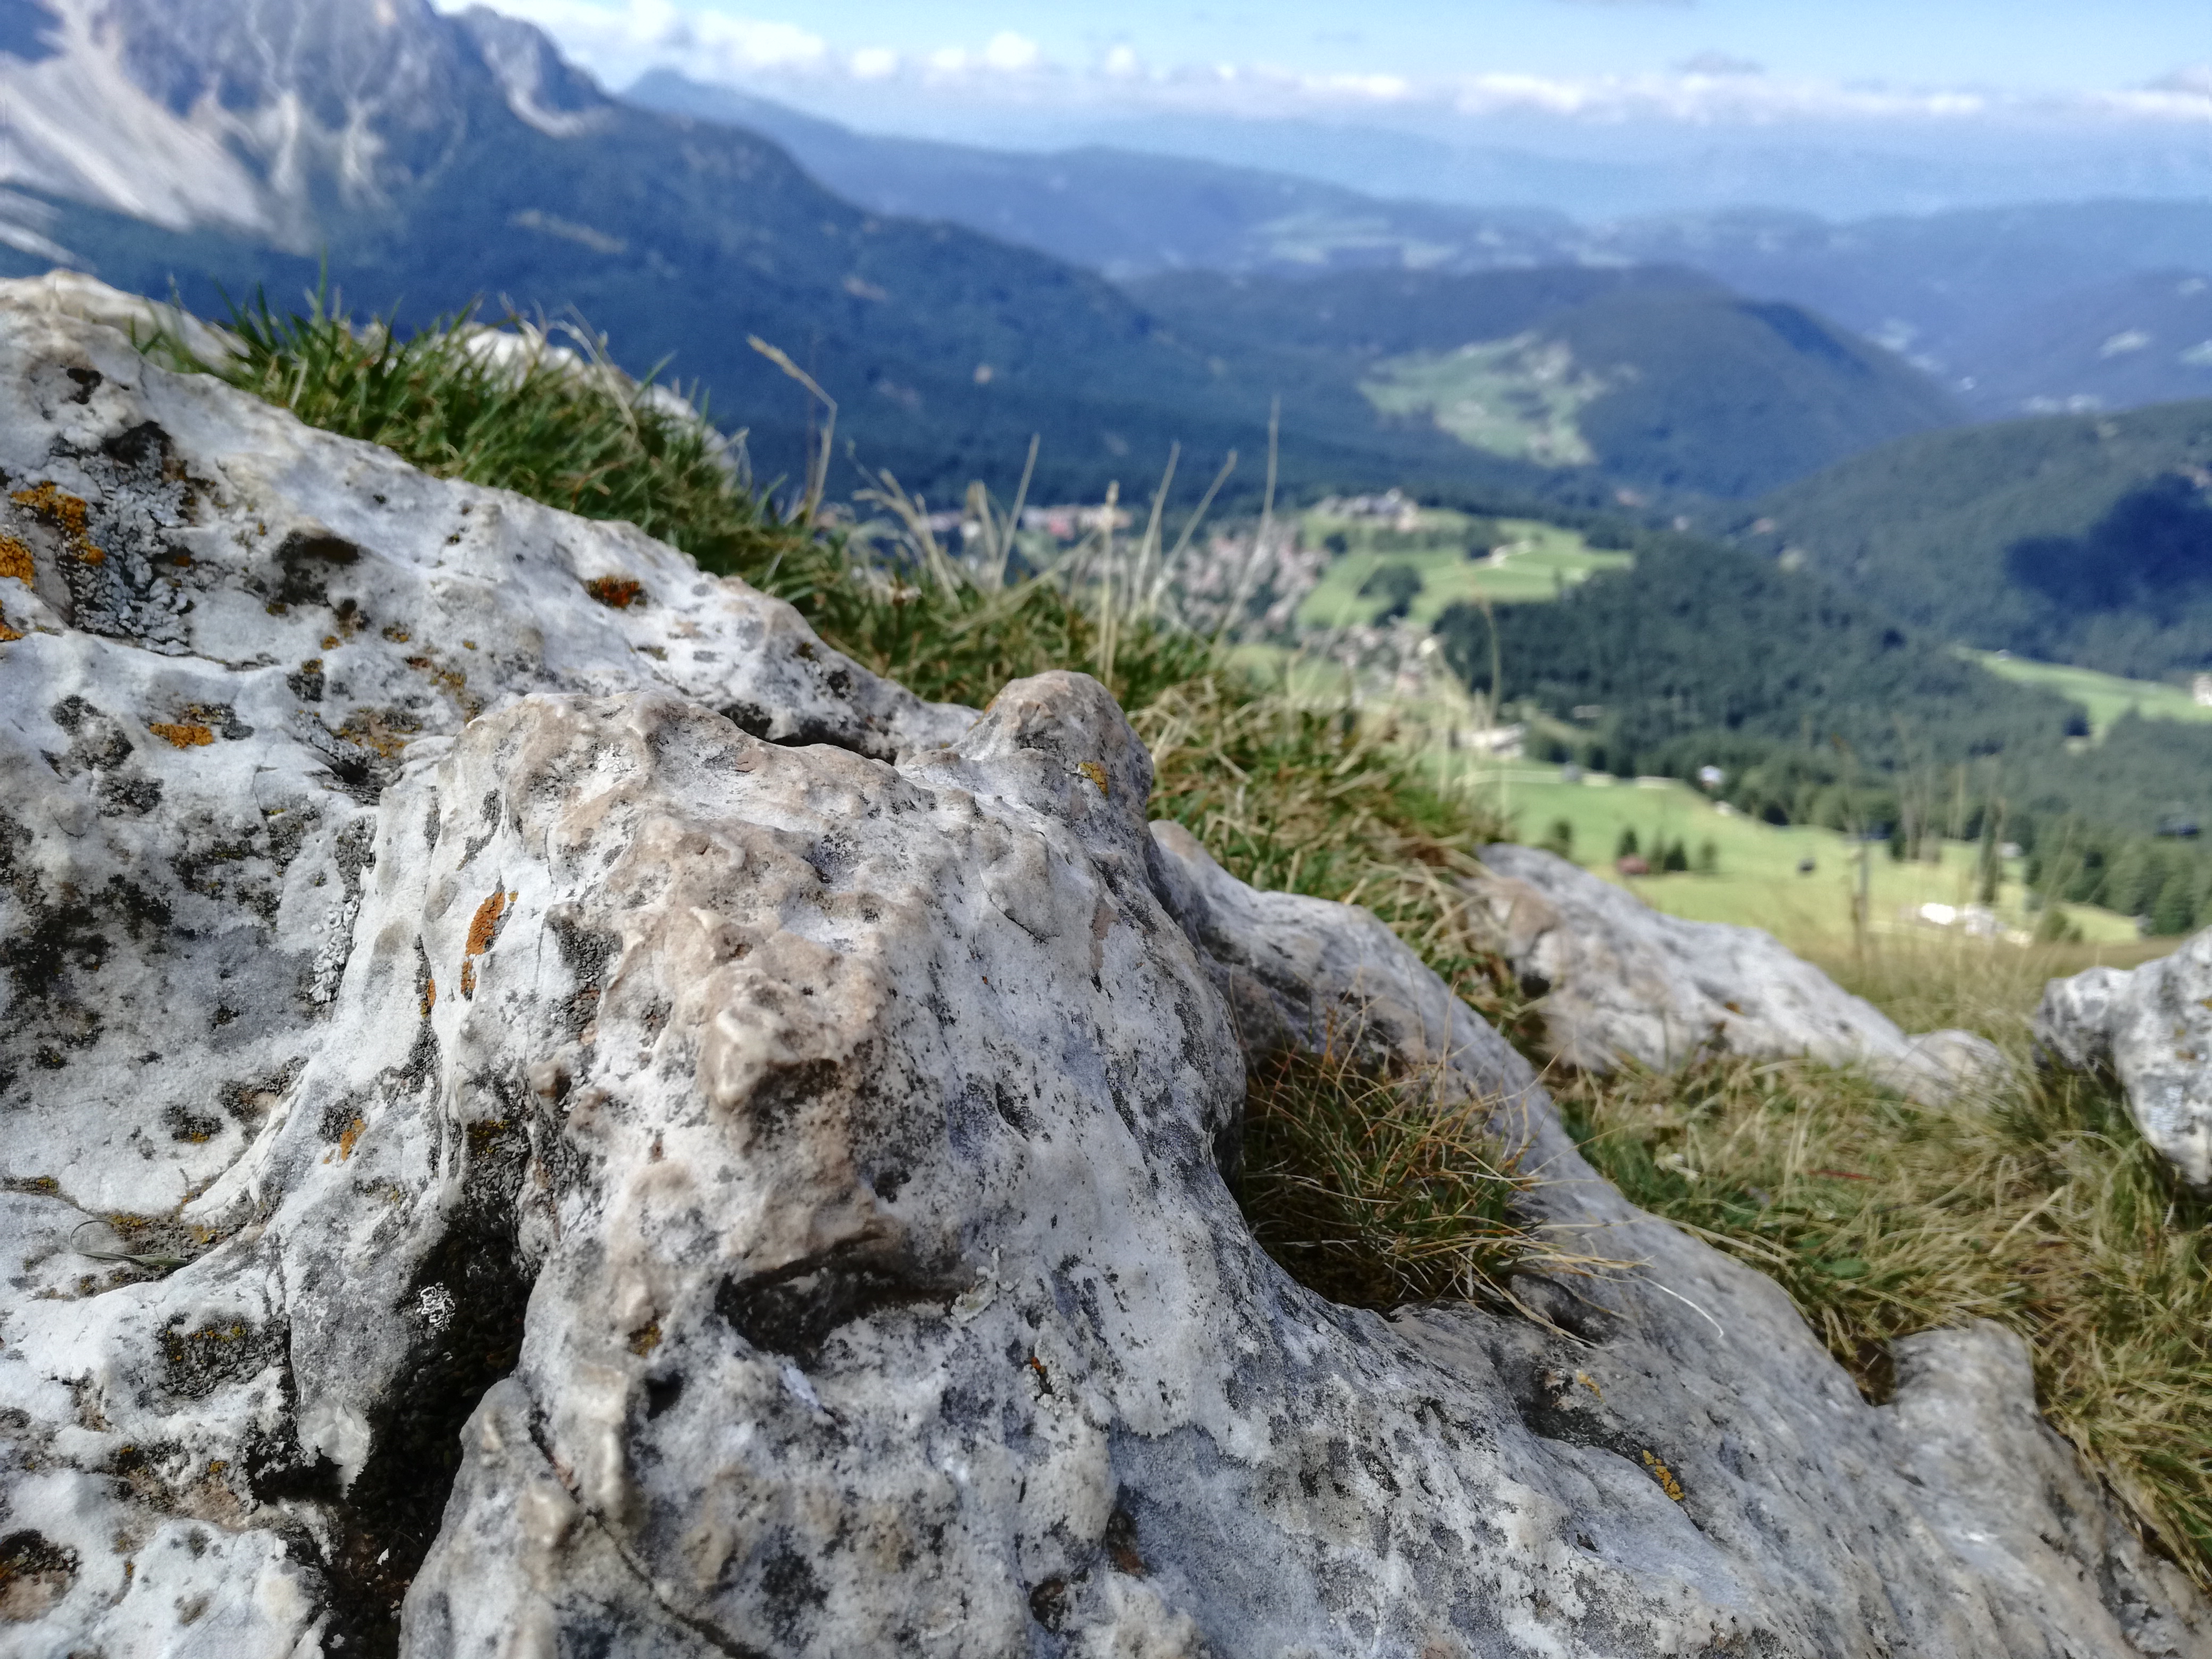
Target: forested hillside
(2078, 539)
(1821, 710)
(1656, 376)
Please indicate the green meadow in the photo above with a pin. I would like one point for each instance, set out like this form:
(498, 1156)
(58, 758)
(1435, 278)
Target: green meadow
(2106, 696)
(1756, 879)
(1529, 561)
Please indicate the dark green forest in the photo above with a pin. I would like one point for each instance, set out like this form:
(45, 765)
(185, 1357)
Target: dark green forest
(2073, 538)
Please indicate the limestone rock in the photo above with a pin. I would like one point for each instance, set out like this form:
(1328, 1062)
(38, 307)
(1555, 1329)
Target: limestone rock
(1620, 979)
(2152, 1026)
(699, 1153)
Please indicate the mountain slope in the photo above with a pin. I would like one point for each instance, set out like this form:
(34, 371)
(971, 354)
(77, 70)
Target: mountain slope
(2078, 539)
(1659, 377)
(2122, 344)
(1968, 293)
(1986, 298)
(437, 159)
(1817, 707)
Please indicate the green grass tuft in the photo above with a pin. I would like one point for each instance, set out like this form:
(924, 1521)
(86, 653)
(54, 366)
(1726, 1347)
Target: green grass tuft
(1378, 1190)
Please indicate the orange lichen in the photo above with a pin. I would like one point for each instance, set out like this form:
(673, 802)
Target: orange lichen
(350, 1138)
(1664, 1476)
(66, 514)
(7, 633)
(1095, 773)
(645, 1342)
(618, 591)
(15, 560)
(330, 641)
(450, 679)
(386, 730)
(429, 995)
(484, 928)
(396, 633)
(182, 734)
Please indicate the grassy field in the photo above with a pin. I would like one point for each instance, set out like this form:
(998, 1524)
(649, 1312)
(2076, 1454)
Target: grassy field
(1757, 880)
(1516, 397)
(1536, 562)
(2106, 696)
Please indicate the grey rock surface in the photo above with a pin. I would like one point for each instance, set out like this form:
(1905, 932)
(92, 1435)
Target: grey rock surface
(2152, 1027)
(658, 1182)
(1621, 979)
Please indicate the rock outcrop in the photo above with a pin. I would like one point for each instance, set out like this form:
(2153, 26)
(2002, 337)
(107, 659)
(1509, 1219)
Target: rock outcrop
(2151, 1027)
(1619, 980)
(676, 1147)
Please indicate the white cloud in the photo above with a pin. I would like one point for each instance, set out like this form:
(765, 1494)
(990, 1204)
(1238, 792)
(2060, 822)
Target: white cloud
(1011, 52)
(619, 39)
(2195, 80)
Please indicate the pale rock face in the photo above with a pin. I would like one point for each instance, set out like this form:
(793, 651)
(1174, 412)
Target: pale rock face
(1620, 980)
(259, 116)
(2152, 1026)
(707, 1155)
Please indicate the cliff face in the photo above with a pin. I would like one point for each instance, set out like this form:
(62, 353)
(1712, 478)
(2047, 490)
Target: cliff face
(264, 116)
(675, 1145)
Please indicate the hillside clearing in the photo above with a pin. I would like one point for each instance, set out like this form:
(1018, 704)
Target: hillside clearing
(1527, 560)
(1757, 880)
(2106, 697)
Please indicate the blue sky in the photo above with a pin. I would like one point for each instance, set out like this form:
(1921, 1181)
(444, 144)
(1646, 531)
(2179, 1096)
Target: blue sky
(2039, 44)
(2026, 46)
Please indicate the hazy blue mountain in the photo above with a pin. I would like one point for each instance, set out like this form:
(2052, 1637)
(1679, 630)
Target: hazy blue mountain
(1127, 212)
(2140, 339)
(1999, 302)
(1592, 167)
(1974, 295)
(438, 158)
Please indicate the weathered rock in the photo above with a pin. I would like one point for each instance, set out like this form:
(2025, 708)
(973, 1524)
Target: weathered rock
(1621, 979)
(2010, 1497)
(2152, 1027)
(716, 1194)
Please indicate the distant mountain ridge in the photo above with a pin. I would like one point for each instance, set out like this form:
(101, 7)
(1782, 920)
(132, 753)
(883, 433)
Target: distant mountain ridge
(2004, 304)
(437, 158)
(1127, 212)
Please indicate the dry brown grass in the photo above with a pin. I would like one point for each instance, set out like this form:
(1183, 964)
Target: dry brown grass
(2040, 1208)
(1294, 801)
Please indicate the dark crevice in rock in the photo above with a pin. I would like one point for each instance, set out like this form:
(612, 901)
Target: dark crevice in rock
(467, 1301)
(755, 721)
(795, 1309)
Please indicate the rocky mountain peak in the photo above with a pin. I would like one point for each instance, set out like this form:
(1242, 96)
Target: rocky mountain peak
(263, 116)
